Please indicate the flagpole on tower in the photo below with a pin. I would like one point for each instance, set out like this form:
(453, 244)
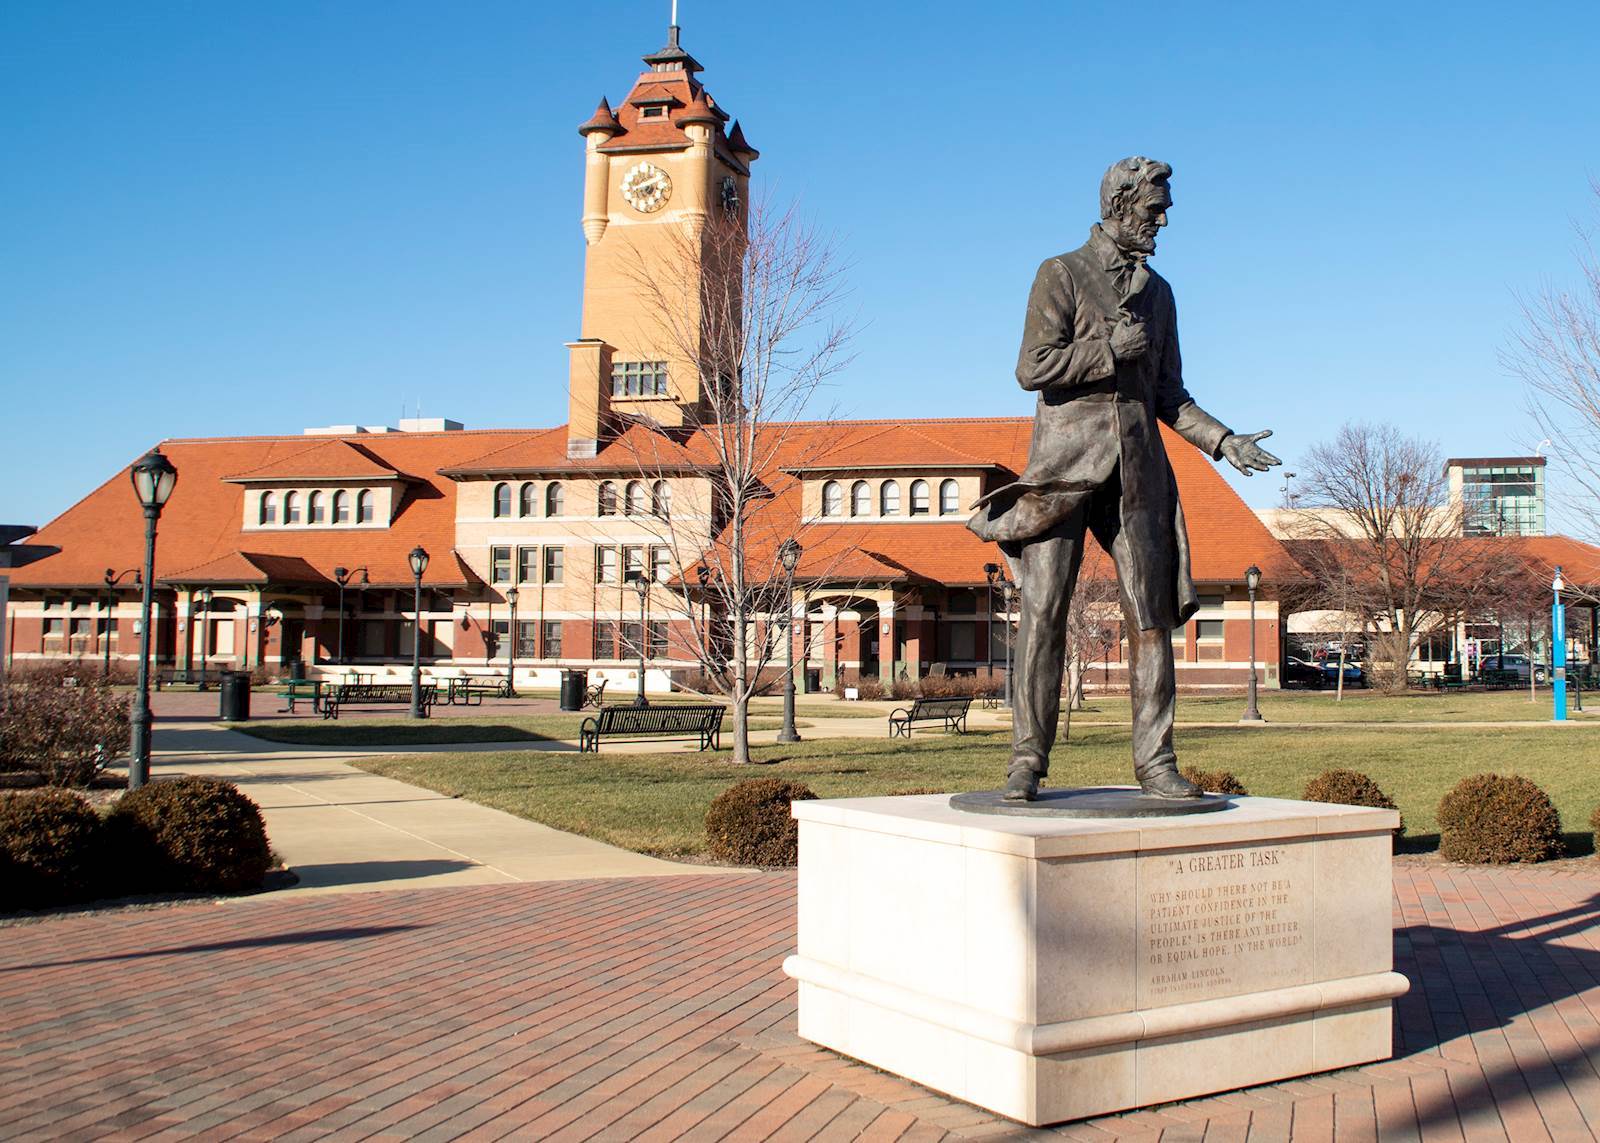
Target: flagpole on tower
(674, 13)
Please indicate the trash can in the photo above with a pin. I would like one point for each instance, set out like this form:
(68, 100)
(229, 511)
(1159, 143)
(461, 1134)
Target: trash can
(235, 691)
(297, 670)
(573, 685)
(813, 681)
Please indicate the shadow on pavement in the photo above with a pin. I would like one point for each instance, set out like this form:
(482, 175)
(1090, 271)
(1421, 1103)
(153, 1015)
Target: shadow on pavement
(370, 872)
(313, 936)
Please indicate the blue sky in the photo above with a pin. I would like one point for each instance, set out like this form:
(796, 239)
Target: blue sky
(224, 218)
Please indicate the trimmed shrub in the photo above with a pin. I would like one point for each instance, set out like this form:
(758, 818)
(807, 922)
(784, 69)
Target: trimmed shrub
(1214, 781)
(1498, 819)
(51, 849)
(201, 835)
(63, 724)
(749, 822)
(1350, 788)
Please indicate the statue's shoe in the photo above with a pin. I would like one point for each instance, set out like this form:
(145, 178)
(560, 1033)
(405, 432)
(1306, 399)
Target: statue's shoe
(1168, 783)
(1021, 786)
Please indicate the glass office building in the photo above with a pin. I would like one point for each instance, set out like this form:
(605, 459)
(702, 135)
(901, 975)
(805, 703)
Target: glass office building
(1500, 496)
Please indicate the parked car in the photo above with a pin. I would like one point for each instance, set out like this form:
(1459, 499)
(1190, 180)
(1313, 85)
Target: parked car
(1300, 673)
(1514, 664)
(1354, 676)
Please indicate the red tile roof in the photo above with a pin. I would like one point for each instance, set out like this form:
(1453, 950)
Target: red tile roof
(323, 460)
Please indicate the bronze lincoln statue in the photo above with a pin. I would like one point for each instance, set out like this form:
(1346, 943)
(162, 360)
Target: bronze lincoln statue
(1100, 347)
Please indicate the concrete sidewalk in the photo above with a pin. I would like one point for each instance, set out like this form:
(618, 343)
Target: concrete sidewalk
(342, 829)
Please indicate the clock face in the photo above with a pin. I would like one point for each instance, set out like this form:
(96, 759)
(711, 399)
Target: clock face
(730, 194)
(646, 188)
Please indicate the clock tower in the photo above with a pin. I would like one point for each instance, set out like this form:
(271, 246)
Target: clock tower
(658, 170)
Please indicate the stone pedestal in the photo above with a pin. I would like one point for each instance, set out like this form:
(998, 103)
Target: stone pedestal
(1055, 968)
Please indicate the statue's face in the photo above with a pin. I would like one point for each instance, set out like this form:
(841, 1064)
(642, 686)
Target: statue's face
(1143, 215)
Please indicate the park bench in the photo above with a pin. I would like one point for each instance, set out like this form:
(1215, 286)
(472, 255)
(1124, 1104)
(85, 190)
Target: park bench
(469, 691)
(302, 690)
(703, 719)
(950, 711)
(169, 676)
(592, 696)
(1499, 679)
(377, 694)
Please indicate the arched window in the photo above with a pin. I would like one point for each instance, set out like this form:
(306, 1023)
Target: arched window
(364, 507)
(502, 500)
(832, 499)
(269, 508)
(527, 500)
(608, 498)
(949, 497)
(555, 499)
(661, 500)
(341, 507)
(635, 505)
(291, 508)
(860, 499)
(316, 509)
(889, 498)
(919, 497)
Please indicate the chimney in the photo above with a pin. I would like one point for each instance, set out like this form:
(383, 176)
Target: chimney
(588, 396)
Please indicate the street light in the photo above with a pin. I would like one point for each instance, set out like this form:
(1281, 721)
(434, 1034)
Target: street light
(343, 576)
(511, 652)
(419, 564)
(153, 479)
(990, 572)
(205, 636)
(1558, 651)
(1008, 595)
(642, 586)
(789, 555)
(1252, 580)
(112, 579)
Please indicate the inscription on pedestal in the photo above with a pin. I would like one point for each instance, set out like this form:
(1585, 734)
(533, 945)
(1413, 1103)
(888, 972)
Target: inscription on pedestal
(1222, 921)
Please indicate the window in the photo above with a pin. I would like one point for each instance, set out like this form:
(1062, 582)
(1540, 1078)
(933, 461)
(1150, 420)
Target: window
(53, 627)
(860, 499)
(605, 640)
(555, 499)
(889, 498)
(605, 565)
(269, 508)
(660, 563)
(527, 632)
(316, 509)
(1208, 630)
(633, 562)
(832, 499)
(919, 497)
(656, 112)
(634, 505)
(527, 565)
(639, 379)
(608, 498)
(552, 565)
(502, 500)
(341, 507)
(661, 500)
(949, 497)
(658, 639)
(552, 639)
(364, 508)
(500, 565)
(291, 508)
(499, 630)
(629, 643)
(527, 500)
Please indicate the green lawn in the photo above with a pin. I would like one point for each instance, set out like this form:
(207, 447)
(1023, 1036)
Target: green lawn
(656, 803)
(1357, 706)
(365, 732)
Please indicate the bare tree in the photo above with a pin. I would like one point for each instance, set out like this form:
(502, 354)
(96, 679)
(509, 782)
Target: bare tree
(1382, 540)
(748, 301)
(1092, 627)
(1557, 355)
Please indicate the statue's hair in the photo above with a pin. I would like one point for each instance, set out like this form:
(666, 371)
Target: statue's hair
(1128, 175)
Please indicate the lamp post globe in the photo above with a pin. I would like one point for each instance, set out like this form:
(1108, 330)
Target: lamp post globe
(789, 553)
(154, 477)
(418, 559)
(1252, 580)
(511, 648)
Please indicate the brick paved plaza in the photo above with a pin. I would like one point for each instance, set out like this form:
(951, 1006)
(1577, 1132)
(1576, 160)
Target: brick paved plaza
(655, 1008)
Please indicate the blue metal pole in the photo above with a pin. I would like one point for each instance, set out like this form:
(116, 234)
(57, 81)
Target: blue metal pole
(1558, 659)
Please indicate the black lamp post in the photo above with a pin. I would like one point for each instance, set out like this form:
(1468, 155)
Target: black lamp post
(1252, 580)
(205, 636)
(112, 579)
(419, 564)
(789, 555)
(343, 576)
(153, 479)
(1008, 593)
(511, 651)
(990, 572)
(642, 586)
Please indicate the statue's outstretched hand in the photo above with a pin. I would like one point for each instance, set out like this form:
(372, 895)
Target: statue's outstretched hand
(1247, 456)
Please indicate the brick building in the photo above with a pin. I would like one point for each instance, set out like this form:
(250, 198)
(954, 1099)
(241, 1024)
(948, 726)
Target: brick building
(891, 584)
